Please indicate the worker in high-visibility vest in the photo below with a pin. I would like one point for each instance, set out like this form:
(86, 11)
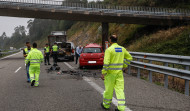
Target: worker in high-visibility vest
(115, 60)
(47, 54)
(55, 50)
(35, 57)
(25, 54)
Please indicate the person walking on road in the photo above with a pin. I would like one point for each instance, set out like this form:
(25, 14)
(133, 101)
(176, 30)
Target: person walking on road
(55, 50)
(78, 52)
(25, 54)
(46, 54)
(116, 58)
(35, 57)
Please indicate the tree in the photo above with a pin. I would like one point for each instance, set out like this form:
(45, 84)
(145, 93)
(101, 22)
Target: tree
(3, 38)
(30, 22)
(3, 35)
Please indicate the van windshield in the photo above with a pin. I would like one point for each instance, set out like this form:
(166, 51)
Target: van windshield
(92, 50)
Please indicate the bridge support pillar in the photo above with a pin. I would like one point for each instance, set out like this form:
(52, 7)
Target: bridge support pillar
(105, 31)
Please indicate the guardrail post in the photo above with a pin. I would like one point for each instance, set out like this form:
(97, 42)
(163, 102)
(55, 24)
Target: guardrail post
(150, 73)
(166, 77)
(129, 69)
(187, 83)
(138, 71)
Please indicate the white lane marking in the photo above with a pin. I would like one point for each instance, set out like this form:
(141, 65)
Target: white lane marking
(10, 56)
(98, 88)
(71, 67)
(18, 69)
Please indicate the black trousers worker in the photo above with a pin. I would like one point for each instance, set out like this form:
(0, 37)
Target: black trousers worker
(77, 56)
(55, 57)
(47, 58)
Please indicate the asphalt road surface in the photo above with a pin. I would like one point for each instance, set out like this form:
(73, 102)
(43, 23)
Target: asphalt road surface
(77, 90)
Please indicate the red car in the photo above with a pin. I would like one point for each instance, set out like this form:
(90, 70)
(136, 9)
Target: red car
(92, 55)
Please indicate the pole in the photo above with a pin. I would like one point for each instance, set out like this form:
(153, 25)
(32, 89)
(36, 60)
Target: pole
(105, 29)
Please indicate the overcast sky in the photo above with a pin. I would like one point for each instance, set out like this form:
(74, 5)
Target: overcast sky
(7, 24)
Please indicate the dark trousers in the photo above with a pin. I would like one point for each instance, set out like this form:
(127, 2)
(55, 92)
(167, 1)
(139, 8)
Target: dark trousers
(55, 58)
(27, 71)
(77, 56)
(46, 58)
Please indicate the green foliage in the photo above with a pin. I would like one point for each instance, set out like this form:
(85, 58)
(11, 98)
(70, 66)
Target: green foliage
(15, 40)
(178, 46)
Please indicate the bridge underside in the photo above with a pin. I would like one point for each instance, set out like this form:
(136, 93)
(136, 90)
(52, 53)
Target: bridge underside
(94, 17)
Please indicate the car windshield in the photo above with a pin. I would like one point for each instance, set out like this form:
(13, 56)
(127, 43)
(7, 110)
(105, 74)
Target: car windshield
(92, 50)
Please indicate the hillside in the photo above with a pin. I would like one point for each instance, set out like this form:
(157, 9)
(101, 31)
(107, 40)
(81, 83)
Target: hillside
(153, 39)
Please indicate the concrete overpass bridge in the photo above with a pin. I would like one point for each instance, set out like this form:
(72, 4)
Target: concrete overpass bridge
(94, 13)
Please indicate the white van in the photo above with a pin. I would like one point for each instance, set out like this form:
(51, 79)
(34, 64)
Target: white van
(66, 51)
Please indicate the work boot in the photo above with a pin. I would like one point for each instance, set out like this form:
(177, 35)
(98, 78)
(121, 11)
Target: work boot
(49, 64)
(45, 64)
(104, 107)
(32, 84)
(36, 85)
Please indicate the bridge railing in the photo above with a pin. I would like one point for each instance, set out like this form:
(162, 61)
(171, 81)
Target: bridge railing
(102, 7)
(161, 63)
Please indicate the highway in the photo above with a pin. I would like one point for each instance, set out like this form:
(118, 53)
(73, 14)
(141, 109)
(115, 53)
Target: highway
(66, 92)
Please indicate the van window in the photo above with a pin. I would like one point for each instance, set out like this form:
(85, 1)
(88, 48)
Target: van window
(92, 50)
(64, 45)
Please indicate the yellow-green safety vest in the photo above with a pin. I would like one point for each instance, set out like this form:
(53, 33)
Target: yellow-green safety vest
(35, 57)
(116, 58)
(46, 49)
(55, 48)
(26, 51)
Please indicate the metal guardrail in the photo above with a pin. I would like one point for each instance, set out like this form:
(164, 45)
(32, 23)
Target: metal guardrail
(9, 52)
(94, 7)
(147, 61)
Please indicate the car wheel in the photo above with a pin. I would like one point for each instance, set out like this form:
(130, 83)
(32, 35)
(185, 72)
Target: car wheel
(80, 67)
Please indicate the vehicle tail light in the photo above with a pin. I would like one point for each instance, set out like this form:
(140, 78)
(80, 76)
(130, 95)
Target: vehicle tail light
(73, 50)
